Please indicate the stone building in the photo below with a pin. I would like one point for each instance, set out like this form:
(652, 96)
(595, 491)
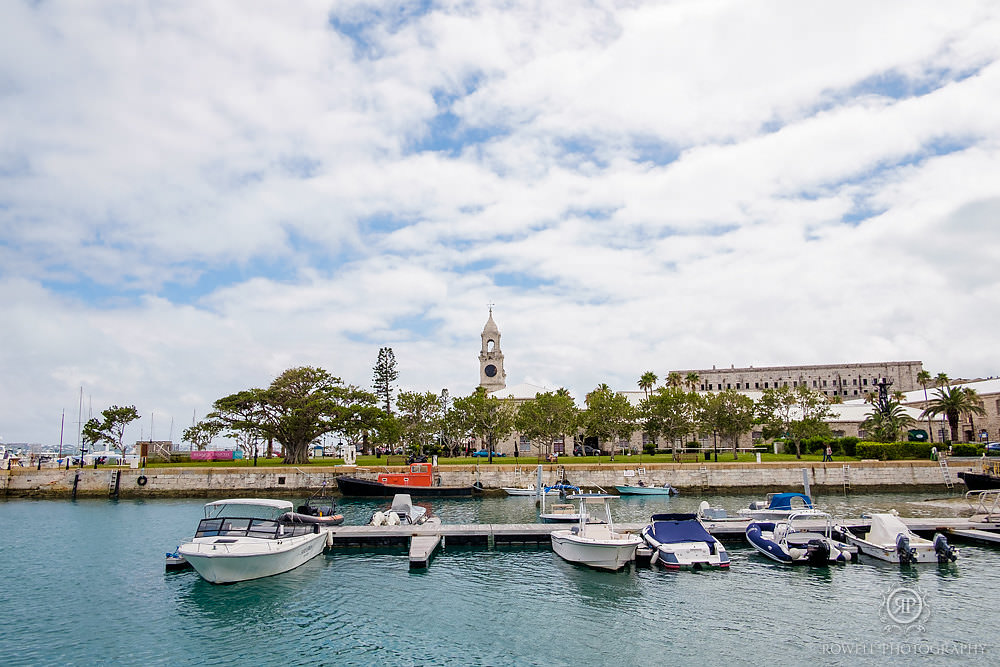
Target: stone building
(971, 428)
(846, 381)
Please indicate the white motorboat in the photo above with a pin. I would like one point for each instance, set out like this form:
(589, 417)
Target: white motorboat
(779, 506)
(681, 541)
(595, 544)
(402, 512)
(789, 542)
(890, 539)
(245, 538)
(562, 512)
(527, 491)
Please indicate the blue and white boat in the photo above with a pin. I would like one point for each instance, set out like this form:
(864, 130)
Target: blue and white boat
(779, 506)
(791, 541)
(641, 489)
(681, 541)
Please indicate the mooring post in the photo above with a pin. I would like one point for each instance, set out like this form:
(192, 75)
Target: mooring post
(805, 481)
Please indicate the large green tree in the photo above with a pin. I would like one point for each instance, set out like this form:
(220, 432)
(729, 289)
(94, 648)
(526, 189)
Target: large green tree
(200, 435)
(608, 416)
(110, 429)
(486, 417)
(952, 402)
(730, 414)
(420, 416)
(384, 374)
(670, 413)
(794, 412)
(547, 417)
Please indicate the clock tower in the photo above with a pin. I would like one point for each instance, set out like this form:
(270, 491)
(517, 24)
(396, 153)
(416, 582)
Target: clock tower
(492, 376)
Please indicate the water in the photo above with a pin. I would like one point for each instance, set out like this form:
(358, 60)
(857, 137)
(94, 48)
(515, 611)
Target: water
(84, 584)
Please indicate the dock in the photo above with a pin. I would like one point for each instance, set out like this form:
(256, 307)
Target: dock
(423, 541)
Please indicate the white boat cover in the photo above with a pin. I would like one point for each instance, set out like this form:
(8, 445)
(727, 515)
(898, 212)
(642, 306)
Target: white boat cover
(885, 528)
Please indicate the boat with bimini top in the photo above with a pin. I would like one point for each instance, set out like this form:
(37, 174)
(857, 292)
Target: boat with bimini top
(249, 538)
(597, 545)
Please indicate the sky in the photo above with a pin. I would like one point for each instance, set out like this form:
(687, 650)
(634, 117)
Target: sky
(197, 196)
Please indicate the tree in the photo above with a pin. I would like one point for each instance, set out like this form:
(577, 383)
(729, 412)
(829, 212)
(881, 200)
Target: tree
(952, 402)
(486, 417)
(887, 421)
(923, 379)
(359, 416)
(110, 430)
(420, 416)
(647, 382)
(674, 379)
(730, 414)
(547, 417)
(692, 379)
(670, 413)
(793, 412)
(240, 417)
(200, 435)
(608, 415)
(385, 374)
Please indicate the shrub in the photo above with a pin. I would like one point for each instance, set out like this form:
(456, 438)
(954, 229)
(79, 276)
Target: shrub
(848, 445)
(965, 449)
(893, 451)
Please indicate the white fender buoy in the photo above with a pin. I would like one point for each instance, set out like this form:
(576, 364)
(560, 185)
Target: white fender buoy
(378, 519)
(392, 519)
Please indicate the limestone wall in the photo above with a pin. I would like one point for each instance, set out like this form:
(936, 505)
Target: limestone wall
(712, 477)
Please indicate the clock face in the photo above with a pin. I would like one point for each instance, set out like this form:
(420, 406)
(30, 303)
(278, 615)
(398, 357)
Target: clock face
(491, 370)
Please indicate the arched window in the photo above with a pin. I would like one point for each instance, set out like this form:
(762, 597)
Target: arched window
(489, 345)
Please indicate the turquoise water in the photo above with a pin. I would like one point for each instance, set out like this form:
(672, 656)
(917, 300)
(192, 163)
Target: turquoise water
(85, 585)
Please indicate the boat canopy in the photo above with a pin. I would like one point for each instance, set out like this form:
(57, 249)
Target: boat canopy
(254, 508)
(783, 501)
(885, 528)
(674, 528)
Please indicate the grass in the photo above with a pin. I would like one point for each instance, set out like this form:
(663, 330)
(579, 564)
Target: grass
(635, 459)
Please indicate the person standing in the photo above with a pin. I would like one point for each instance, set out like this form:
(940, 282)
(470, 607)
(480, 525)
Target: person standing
(828, 455)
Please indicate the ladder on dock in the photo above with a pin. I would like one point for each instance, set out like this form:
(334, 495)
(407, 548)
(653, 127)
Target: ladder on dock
(943, 462)
(114, 483)
(704, 478)
(847, 478)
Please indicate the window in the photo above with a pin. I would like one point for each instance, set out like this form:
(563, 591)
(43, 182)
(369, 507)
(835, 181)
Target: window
(525, 444)
(854, 381)
(729, 386)
(765, 386)
(815, 384)
(756, 385)
(998, 406)
(824, 383)
(559, 446)
(865, 382)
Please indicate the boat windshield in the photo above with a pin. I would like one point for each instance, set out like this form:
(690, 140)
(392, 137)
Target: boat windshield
(266, 529)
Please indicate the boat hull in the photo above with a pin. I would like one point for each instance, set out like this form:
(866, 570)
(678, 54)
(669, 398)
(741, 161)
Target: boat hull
(603, 555)
(977, 481)
(646, 490)
(355, 486)
(219, 561)
(923, 552)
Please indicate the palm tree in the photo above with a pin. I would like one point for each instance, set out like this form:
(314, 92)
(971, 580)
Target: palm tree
(942, 380)
(952, 402)
(674, 379)
(692, 380)
(924, 379)
(647, 382)
(886, 422)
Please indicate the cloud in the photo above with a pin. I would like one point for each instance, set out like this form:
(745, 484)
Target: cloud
(194, 198)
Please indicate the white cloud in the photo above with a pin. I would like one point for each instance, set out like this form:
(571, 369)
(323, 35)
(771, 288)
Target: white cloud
(194, 198)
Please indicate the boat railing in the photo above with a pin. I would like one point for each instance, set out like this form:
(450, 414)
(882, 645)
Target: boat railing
(265, 529)
(984, 502)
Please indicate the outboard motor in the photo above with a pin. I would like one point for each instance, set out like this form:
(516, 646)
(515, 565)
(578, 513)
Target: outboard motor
(907, 555)
(818, 552)
(944, 551)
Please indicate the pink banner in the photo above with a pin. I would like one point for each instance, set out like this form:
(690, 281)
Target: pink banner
(224, 455)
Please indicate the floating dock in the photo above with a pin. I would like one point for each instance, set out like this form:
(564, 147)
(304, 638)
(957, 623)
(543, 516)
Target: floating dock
(423, 541)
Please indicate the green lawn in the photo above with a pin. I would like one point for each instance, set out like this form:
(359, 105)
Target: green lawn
(371, 461)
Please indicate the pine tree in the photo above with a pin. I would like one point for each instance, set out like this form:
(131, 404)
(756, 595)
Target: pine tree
(385, 374)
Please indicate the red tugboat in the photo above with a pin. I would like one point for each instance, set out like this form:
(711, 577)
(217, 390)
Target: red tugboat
(417, 481)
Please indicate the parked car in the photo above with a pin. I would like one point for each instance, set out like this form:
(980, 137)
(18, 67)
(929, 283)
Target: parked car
(586, 450)
(483, 452)
(993, 448)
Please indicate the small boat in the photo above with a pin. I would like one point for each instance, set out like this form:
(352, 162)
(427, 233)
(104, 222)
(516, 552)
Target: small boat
(247, 538)
(526, 491)
(561, 512)
(779, 506)
(891, 540)
(642, 490)
(681, 541)
(402, 512)
(317, 508)
(594, 544)
(417, 481)
(785, 542)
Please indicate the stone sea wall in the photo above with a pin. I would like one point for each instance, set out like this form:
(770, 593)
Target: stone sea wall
(291, 480)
